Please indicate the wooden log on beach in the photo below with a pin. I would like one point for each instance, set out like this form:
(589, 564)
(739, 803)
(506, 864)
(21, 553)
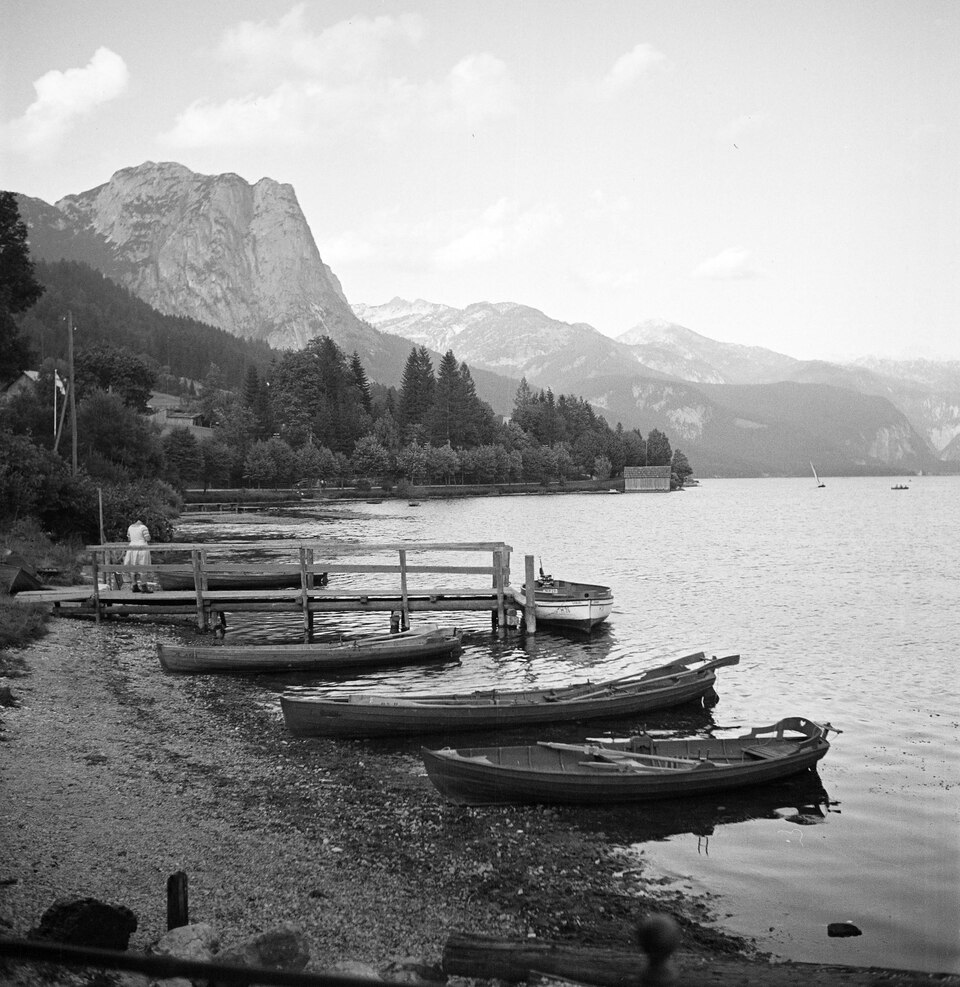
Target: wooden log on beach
(564, 965)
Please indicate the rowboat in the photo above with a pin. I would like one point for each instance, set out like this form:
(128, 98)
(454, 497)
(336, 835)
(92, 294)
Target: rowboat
(16, 575)
(562, 601)
(639, 769)
(406, 647)
(172, 577)
(311, 712)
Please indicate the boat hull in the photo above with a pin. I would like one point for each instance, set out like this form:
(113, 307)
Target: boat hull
(171, 578)
(570, 774)
(395, 649)
(319, 714)
(580, 605)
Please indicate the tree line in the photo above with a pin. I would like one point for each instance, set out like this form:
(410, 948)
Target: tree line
(309, 416)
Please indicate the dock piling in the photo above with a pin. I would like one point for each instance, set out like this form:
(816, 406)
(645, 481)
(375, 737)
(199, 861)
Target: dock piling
(529, 606)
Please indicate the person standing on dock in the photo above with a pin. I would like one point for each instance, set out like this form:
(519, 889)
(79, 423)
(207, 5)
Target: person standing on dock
(138, 554)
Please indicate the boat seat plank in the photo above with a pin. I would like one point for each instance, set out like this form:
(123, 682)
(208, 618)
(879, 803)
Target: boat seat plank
(763, 753)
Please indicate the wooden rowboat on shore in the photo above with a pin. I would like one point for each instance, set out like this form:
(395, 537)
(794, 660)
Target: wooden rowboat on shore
(311, 712)
(16, 575)
(425, 644)
(640, 769)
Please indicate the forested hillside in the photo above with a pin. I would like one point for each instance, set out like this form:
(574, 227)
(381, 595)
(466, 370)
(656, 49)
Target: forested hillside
(105, 313)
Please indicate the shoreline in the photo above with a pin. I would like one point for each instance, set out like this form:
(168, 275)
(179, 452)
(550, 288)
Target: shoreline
(118, 775)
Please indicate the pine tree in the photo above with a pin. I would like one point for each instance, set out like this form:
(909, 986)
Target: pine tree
(19, 289)
(416, 389)
(360, 382)
(446, 415)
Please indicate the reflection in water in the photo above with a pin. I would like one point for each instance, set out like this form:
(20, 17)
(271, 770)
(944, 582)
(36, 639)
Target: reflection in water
(800, 796)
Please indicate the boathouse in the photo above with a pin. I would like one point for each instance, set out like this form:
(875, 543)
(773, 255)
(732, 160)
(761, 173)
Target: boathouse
(643, 479)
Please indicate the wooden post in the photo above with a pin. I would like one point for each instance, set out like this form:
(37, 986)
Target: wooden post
(304, 595)
(178, 911)
(529, 606)
(404, 605)
(310, 584)
(500, 617)
(199, 580)
(73, 396)
(96, 585)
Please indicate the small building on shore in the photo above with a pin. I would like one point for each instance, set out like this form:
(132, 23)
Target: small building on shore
(646, 479)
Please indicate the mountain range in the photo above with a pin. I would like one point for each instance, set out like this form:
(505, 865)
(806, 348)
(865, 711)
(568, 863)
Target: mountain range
(242, 258)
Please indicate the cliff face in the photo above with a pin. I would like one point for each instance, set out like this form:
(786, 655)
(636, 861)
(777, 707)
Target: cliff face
(212, 247)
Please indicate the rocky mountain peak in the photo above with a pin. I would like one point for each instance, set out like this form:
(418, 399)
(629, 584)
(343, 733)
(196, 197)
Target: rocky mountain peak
(214, 248)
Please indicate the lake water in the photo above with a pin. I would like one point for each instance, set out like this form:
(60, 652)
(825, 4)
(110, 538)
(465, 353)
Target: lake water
(844, 604)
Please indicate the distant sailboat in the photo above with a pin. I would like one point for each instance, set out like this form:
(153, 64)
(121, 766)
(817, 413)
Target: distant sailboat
(817, 478)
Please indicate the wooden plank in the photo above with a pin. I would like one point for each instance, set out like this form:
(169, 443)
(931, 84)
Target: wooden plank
(349, 548)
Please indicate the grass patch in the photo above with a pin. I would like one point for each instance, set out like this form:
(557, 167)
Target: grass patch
(57, 563)
(19, 624)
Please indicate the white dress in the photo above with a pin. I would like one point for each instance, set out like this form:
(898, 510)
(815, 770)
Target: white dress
(138, 554)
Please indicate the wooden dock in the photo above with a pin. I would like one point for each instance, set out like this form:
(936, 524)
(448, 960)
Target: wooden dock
(398, 578)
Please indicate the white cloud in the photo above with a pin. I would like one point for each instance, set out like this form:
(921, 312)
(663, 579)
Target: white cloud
(348, 50)
(348, 248)
(502, 231)
(338, 81)
(732, 264)
(64, 97)
(445, 241)
(628, 69)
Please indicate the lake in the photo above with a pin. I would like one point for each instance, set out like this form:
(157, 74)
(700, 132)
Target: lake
(844, 604)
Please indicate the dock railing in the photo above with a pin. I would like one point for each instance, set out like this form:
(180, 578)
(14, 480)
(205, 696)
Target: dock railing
(206, 577)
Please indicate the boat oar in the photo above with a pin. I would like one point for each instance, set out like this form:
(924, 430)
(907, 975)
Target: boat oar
(608, 754)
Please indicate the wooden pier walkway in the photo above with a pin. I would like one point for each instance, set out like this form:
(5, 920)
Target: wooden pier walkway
(206, 581)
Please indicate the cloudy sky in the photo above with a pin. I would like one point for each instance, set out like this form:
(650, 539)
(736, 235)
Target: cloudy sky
(783, 174)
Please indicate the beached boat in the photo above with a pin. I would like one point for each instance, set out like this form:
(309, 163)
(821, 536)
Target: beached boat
(642, 768)
(428, 643)
(16, 575)
(311, 712)
(562, 601)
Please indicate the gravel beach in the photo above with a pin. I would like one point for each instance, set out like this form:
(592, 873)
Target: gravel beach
(116, 775)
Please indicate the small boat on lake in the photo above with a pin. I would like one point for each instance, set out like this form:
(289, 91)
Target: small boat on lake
(638, 769)
(900, 486)
(311, 712)
(820, 482)
(426, 644)
(574, 604)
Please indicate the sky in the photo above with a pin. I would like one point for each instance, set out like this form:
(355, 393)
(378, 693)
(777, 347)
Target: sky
(766, 172)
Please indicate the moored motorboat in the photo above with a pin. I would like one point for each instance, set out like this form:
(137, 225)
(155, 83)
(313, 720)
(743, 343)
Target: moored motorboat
(563, 601)
(406, 647)
(322, 713)
(642, 768)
